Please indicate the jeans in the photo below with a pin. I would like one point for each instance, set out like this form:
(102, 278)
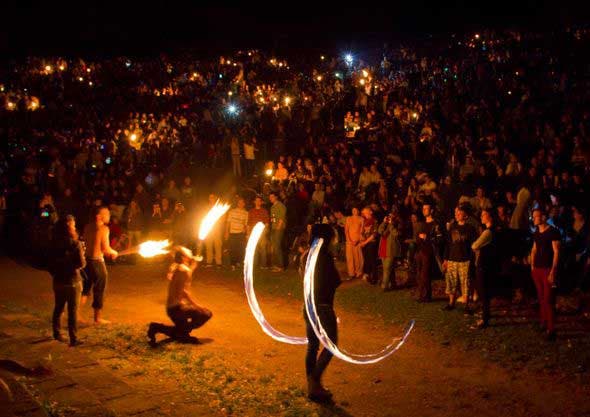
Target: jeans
(185, 319)
(316, 365)
(276, 244)
(370, 261)
(70, 295)
(237, 246)
(97, 274)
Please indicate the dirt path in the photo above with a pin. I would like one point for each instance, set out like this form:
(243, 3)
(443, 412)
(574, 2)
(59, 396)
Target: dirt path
(424, 378)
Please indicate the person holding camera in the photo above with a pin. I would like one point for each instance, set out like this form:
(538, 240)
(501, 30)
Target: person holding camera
(389, 249)
(67, 259)
(181, 307)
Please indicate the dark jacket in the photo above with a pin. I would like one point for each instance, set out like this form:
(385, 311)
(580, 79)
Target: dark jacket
(66, 260)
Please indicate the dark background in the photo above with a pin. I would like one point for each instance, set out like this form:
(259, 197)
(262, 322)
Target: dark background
(103, 29)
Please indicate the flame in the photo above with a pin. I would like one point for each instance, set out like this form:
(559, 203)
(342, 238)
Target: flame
(152, 248)
(211, 218)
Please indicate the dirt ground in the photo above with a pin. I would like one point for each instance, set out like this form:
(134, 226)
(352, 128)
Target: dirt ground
(424, 378)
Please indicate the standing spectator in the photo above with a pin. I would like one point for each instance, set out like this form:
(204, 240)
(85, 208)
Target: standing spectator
(278, 219)
(457, 258)
(235, 232)
(369, 245)
(65, 264)
(486, 265)
(353, 229)
(135, 222)
(235, 156)
(172, 193)
(424, 260)
(389, 249)
(187, 191)
(544, 261)
(250, 156)
(255, 215)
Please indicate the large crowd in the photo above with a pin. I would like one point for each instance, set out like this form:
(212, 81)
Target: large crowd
(411, 154)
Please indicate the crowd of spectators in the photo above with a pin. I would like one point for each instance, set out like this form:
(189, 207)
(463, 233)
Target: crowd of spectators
(410, 146)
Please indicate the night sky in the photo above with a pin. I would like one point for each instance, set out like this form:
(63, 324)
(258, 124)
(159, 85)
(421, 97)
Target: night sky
(50, 27)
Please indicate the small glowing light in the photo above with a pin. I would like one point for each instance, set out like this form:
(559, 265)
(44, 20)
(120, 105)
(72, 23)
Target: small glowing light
(319, 78)
(88, 70)
(128, 64)
(228, 61)
(62, 67)
(220, 75)
(477, 36)
(516, 73)
(232, 109)
(152, 248)
(2, 88)
(235, 65)
(322, 57)
(249, 53)
(349, 59)
(362, 81)
(80, 79)
(509, 92)
(268, 172)
(337, 75)
(133, 137)
(229, 93)
(280, 64)
(10, 105)
(415, 115)
(90, 83)
(287, 101)
(211, 218)
(48, 68)
(365, 73)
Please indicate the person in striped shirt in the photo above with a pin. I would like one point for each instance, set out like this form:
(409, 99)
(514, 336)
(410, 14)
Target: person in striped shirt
(235, 232)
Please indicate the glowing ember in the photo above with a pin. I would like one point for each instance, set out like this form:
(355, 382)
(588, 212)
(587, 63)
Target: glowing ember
(152, 248)
(211, 218)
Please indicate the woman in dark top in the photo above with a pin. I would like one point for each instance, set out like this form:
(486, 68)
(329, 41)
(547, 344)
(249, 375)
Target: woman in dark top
(67, 259)
(327, 279)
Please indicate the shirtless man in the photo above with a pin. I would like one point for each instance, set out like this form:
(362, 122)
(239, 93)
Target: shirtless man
(353, 229)
(96, 235)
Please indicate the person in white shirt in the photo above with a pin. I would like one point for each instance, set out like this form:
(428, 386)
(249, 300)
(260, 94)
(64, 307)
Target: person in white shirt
(236, 227)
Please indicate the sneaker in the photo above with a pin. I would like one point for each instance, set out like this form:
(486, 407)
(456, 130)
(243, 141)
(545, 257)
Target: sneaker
(448, 307)
(75, 342)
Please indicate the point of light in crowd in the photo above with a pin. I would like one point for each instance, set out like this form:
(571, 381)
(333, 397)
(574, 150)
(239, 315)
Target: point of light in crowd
(287, 100)
(10, 104)
(48, 68)
(251, 295)
(415, 115)
(133, 137)
(249, 53)
(128, 64)
(268, 172)
(90, 83)
(362, 81)
(509, 92)
(319, 78)
(211, 218)
(229, 93)
(62, 67)
(80, 79)
(232, 109)
(349, 59)
(152, 248)
(477, 36)
(220, 75)
(320, 332)
(228, 61)
(322, 57)
(365, 73)
(337, 75)
(88, 70)
(516, 73)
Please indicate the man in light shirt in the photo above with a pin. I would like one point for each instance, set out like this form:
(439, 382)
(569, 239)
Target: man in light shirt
(235, 232)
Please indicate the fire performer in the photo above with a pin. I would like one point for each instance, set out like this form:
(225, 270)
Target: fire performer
(96, 235)
(327, 279)
(181, 307)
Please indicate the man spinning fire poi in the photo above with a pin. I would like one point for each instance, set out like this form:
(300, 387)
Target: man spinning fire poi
(326, 281)
(181, 307)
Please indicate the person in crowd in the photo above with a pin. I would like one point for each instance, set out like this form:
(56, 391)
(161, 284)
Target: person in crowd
(424, 259)
(369, 245)
(486, 265)
(457, 258)
(544, 260)
(353, 229)
(236, 226)
(260, 214)
(389, 249)
(181, 306)
(66, 262)
(213, 244)
(278, 223)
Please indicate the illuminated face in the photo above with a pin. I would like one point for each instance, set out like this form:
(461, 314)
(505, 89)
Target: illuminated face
(258, 202)
(537, 218)
(485, 217)
(426, 210)
(355, 211)
(104, 215)
(241, 203)
(460, 215)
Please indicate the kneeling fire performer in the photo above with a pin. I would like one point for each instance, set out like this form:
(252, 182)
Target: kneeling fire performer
(181, 307)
